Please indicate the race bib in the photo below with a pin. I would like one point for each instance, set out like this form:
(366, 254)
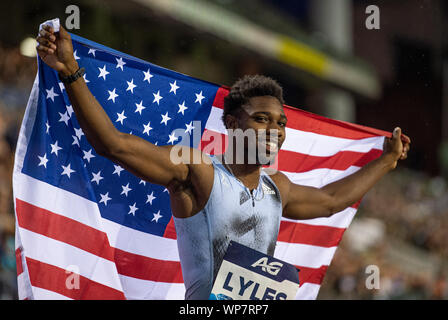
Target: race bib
(247, 274)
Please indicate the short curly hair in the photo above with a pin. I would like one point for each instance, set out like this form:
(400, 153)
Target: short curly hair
(248, 87)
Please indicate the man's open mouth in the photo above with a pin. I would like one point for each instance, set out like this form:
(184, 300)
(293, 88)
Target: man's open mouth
(270, 146)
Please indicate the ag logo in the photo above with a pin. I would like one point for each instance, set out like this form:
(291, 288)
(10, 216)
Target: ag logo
(272, 268)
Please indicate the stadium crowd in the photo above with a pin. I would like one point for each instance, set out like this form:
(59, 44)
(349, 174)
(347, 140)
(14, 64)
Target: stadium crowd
(414, 210)
(17, 73)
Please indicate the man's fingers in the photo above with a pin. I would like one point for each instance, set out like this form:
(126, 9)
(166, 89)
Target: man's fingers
(396, 133)
(44, 49)
(45, 42)
(407, 147)
(48, 28)
(405, 138)
(47, 35)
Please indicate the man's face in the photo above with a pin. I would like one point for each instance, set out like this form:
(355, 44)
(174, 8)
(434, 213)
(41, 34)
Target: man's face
(264, 116)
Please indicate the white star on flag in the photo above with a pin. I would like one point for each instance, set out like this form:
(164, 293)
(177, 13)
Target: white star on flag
(61, 86)
(165, 118)
(126, 189)
(150, 198)
(79, 133)
(131, 86)
(75, 55)
(182, 107)
(147, 128)
(140, 107)
(69, 110)
(88, 155)
(51, 94)
(55, 148)
(92, 51)
(105, 198)
(121, 117)
(117, 170)
(174, 87)
(112, 95)
(48, 127)
(67, 170)
(64, 117)
(157, 216)
(132, 209)
(75, 140)
(157, 97)
(148, 76)
(172, 138)
(190, 127)
(43, 161)
(97, 177)
(103, 72)
(199, 97)
(120, 63)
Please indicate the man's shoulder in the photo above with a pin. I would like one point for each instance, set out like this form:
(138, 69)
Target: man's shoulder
(280, 179)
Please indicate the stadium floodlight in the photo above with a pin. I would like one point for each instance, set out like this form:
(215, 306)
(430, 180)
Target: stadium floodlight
(28, 47)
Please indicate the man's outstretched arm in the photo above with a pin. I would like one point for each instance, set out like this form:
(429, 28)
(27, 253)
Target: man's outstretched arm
(135, 154)
(307, 202)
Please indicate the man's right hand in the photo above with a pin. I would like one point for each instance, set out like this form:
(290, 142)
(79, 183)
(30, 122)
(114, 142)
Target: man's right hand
(56, 50)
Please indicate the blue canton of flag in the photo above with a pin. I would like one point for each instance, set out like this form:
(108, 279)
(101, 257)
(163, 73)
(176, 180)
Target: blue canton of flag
(140, 99)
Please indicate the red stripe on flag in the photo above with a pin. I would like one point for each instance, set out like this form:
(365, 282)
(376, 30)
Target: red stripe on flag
(311, 122)
(145, 268)
(55, 226)
(219, 97)
(19, 261)
(52, 278)
(170, 230)
(298, 162)
(322, 236)
(311, 275)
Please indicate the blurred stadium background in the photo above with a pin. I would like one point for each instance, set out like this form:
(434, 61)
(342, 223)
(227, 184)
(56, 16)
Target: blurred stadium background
(328, 63)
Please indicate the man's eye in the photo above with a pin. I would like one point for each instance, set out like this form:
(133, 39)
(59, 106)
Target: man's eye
(261, 119)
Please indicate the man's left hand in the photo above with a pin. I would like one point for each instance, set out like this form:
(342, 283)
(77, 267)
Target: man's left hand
(396, 147)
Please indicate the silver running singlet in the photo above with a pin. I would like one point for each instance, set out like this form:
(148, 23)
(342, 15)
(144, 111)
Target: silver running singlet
(231, 213)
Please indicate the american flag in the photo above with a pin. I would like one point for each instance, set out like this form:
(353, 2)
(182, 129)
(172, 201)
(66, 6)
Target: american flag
(88, 229)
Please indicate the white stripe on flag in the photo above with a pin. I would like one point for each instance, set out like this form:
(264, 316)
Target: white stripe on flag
(341, 219)
(319, 177)
(308, 291)
(145, 289)
(44, 294)
(48, 197)
(64, 256)
(24, 287)
(304, 255)
(142, 243)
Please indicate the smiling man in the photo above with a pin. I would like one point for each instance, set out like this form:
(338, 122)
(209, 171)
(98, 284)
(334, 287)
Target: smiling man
(229, 197)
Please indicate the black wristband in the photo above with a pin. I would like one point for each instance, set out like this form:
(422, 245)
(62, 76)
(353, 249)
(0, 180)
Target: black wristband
(73, 77)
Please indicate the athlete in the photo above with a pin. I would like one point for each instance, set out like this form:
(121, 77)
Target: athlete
(214, 202)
